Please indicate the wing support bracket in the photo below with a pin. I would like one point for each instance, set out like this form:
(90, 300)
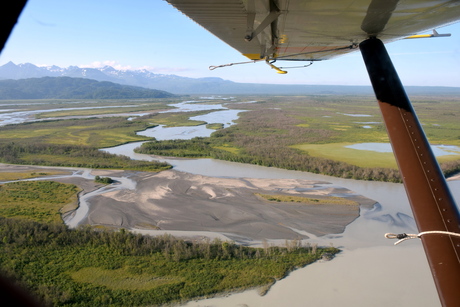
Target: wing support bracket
(271, 17)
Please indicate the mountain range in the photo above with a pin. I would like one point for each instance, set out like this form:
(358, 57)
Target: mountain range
(183, 85)
(73, 88)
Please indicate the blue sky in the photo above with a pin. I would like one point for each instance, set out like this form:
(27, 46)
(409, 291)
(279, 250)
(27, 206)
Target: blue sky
(152, 34)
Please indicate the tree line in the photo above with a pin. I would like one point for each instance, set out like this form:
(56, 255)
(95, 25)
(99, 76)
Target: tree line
(71, 156)
(44, 258)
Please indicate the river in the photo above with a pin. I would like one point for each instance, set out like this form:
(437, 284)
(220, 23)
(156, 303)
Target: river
(369, 272)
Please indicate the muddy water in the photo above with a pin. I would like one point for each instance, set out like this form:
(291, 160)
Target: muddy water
(369, 272)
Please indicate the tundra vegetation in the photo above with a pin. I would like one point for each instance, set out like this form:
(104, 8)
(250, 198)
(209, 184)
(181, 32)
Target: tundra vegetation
(326, 200)
(309, 134)
(83, 267)
(73, 142)
(104, 180)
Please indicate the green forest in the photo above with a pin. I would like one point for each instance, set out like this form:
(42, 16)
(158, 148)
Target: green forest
(72, 156)
(83, 267)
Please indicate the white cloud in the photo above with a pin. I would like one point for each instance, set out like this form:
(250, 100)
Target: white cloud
(164, 70)
(118, 66)
(114, 64)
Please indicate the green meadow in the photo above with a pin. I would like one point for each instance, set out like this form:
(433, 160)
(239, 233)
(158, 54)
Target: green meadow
(10, 176)
(96, 132)
(40, 201)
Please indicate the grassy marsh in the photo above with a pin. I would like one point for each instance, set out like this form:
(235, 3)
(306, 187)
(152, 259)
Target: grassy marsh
(39, 201)
(10, 176)
(338, 151)
(97, 132)
(330, 200)
(310, 133)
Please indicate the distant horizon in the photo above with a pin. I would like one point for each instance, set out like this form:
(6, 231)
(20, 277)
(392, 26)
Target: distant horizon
(143, 69)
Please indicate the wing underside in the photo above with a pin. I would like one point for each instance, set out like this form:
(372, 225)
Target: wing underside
(314, 30)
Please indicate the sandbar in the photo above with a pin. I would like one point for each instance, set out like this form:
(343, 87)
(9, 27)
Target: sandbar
(178, 201)
(181, 203)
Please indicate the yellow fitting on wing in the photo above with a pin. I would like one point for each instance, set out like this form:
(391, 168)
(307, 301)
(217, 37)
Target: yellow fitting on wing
(435, 34)
(275, 68)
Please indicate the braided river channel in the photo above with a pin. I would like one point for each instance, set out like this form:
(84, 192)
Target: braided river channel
(370, 270)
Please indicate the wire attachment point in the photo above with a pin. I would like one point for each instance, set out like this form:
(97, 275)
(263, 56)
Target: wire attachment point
(403, 236)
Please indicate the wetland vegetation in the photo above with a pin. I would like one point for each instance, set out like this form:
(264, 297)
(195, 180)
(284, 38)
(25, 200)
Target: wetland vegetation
(41, 201)
(310, 134)
(72, 156)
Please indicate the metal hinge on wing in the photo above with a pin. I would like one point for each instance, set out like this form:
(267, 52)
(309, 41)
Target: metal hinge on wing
(271, 17)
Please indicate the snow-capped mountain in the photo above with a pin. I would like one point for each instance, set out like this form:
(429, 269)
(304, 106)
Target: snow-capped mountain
(143, 78)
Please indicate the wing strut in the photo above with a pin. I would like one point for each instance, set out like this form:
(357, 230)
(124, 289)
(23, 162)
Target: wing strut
(432, 204)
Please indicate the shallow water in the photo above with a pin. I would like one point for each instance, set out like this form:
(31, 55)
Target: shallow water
(186, 133)
(438, 150)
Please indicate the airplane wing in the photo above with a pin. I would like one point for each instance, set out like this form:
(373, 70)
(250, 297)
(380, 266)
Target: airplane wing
(321, 29)
(314, 30)
(9, 16)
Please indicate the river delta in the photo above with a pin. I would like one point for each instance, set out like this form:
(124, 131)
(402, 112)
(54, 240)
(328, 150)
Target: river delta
(369, 271)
